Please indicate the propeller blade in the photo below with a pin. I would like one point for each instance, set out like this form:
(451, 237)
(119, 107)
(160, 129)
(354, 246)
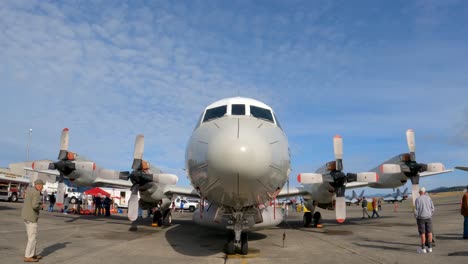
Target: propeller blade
(390, 168)
(338, 150)
(64, 144)
(40, 165)
(60, 191)
(138, 152)
(415, 192)
(411, 143)
(310, 178)
(133, 203)
(435, 167)
(461, 168)
(340, 209)
(165, 178)
(367, 177)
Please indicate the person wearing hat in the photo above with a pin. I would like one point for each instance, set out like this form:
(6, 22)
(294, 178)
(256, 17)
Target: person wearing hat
(30, 213)
(424, 209)
(464, 212)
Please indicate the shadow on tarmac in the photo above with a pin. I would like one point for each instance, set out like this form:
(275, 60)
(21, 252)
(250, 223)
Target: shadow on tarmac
(53, 248)
(190, 239)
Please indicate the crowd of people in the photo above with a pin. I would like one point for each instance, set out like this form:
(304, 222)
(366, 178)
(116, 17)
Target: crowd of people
(97, 205)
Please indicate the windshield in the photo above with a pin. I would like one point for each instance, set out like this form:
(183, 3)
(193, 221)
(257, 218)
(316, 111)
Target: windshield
(261, 113)
(214, 113)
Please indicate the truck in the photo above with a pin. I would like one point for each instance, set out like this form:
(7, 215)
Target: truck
(73, 194)
(185, 204)
(119, 196)
(13, 186)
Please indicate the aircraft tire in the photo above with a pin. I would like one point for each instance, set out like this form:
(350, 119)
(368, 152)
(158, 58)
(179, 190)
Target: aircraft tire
(307, 219)
(244, 243)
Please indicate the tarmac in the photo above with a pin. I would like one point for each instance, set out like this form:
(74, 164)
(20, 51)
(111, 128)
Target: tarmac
(392, 238)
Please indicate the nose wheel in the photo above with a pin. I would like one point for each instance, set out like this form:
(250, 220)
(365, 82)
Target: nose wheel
(232, 246)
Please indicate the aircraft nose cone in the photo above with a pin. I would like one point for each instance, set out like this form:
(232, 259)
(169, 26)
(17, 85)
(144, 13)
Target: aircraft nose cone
(248, 157)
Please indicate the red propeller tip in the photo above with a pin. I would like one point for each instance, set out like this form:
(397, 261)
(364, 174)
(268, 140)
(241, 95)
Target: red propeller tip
(32, 165)
(337, 136)
(376, 177)
(298, 177)
(409, 130)
(65, 129)
(340, 220)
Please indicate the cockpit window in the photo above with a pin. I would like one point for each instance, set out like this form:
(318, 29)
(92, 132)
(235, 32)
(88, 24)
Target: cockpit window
(238, 109)
(214, 113)
(261, 113)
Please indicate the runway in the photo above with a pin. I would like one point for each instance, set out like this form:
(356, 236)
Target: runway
(393, 238)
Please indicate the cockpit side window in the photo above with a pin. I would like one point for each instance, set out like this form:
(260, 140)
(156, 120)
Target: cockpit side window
(277, 121)
(261, 113)
(214, 113)
(238, 109)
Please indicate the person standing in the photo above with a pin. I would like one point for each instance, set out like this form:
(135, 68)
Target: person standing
(30, 214)
(424, 209)
(364, 208)
(464, 212)
(52, 201)
(107, 203)
(66, 203)
(374, 208)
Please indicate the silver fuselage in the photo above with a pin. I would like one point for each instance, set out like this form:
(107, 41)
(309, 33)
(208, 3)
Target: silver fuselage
(238, 161)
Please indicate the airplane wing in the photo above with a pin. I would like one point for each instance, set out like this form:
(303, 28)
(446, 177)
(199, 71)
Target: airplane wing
(426, 173)
(183, 191)
(292, 192)
(353, 185)
(51, 172)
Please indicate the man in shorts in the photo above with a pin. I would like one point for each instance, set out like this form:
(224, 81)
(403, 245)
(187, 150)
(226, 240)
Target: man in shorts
(424, 209)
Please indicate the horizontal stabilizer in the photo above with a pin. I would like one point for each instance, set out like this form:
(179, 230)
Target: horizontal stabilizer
(310, 178)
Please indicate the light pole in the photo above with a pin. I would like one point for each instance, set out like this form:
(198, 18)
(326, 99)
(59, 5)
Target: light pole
(29, 143)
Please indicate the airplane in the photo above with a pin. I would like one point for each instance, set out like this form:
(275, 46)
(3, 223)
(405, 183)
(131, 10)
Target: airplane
(396, 197)
(238, 159)
(329, 182)
(147, 182)
(354, 198)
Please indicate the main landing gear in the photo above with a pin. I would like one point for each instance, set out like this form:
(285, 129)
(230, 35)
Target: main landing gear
(308, 217)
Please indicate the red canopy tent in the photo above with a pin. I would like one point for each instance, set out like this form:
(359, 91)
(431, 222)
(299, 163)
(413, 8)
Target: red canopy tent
(95, 191)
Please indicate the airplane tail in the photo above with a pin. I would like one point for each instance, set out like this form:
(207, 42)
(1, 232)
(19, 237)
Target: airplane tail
(361, 195)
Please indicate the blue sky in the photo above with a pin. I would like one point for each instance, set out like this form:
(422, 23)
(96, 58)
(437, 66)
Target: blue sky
(109, 70)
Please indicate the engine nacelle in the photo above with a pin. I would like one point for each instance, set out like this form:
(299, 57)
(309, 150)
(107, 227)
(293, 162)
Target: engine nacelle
(435, 167)
(390, 168)
(367, 177)
(162, 178)
(309, 178)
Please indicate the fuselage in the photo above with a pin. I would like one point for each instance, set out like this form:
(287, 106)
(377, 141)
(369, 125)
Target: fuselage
(238, 155)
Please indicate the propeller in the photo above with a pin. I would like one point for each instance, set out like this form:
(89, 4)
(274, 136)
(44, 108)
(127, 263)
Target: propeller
(338, 178)
(141, 175)
(410, 167)
(66, 165)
